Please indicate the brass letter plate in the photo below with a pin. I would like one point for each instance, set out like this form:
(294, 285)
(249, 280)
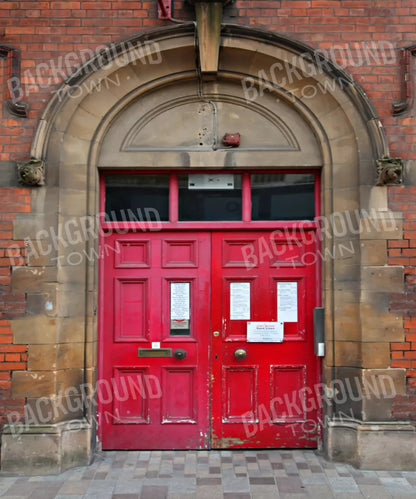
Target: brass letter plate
(154, 352)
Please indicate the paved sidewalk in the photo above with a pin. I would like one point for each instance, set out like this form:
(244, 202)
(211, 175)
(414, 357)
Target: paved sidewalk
(263, 474)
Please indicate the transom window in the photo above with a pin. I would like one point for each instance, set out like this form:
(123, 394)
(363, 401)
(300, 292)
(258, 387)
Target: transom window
(209, 197)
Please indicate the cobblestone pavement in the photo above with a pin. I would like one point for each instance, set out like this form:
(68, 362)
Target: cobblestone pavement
(263, 474)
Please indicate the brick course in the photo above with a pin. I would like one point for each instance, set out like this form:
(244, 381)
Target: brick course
(403, 354)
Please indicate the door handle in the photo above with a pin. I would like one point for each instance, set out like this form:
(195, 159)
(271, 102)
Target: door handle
(179, 353)
(319, 331)
(240, 354)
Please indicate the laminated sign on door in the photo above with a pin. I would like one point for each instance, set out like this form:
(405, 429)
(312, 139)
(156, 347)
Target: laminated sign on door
(265, 332)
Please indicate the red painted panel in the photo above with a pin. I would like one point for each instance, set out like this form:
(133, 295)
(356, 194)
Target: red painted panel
(130, 309)
(240, 253)
(286, 253)
(287, 393)
(180, 254)
(180, 395)
(240, 393)
(130, 396)
(130, 254)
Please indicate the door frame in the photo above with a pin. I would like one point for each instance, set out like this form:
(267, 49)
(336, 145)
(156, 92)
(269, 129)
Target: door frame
(175, 225)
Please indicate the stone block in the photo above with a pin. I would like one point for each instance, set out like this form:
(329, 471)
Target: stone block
(46, 449)
(375, 355)
(70, 329)
(33, 384)
(48, 410)
(70, 355)
(344, 176)
(43, 302)
(388, 279)
(374, 252)
(347, 392)
(377, 324)
(409, 173)
(34, 330)
(328, 360)
(83, 124)
(31, 226)
(347, 321)
(374, 199)
(384, 227)
(348, 353)
(71, 300)
(69, 380)
(345, 199)
(377, 446)
(380, 386)
(42, 357)
(31, 279)
(91, 354)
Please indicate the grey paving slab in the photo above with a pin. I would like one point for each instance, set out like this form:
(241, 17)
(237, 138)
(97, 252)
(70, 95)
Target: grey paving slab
(319, 492)
(209, 492)
(224, 474)
(341, 485)
(128, 487)
(374, 492)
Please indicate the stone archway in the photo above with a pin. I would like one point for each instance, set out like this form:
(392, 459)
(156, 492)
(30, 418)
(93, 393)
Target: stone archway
(122, 110)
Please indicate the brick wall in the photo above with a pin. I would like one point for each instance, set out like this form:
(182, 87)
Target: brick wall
(12, 357)
(403, 354)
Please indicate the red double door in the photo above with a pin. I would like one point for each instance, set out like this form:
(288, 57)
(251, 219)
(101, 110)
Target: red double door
(185, 362)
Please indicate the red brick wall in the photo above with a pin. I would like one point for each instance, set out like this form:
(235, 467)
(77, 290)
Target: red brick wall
(12, 357)
(403, 354)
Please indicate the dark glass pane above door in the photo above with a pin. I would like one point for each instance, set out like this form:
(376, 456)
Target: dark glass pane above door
(283, 196)
(137, 197)
(209, 197)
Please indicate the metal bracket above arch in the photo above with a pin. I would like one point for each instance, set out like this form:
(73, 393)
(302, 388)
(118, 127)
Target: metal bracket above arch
(14, 104)
(164, 9)
(407, 86)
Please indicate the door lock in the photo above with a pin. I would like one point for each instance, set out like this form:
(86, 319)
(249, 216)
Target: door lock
(216, 334)
(179, 353)
(240, 354)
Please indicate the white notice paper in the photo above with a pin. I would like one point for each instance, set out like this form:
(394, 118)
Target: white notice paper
(265, 332)
(287, 301)
(240, 301)
(179, 301)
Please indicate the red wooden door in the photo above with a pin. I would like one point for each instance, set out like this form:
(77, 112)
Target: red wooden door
(155, 301)
(266, 399)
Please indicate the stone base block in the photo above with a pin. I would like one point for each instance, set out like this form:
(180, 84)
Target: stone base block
(46, 449)
(373, 446)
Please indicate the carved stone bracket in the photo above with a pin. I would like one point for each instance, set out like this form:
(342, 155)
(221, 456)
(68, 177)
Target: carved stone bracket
(406, 90)
(208, 26)
(14, 106)
(31, 172)
(389, 171)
